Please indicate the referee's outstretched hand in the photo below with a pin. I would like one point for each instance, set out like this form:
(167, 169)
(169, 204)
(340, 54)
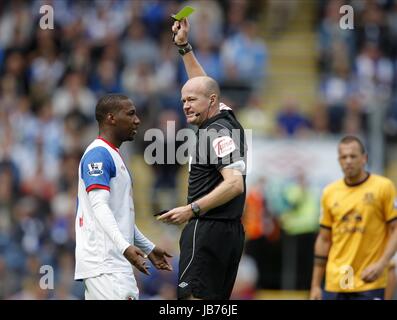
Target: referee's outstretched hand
(158, 258)
(137, 258)
(177, 216)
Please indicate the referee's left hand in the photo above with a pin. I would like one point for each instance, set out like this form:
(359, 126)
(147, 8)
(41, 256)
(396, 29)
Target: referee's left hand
(177, 216)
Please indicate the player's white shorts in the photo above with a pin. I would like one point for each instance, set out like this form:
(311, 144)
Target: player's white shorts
(111, 286)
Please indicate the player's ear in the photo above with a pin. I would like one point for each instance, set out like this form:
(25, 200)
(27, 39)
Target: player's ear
(110, 117)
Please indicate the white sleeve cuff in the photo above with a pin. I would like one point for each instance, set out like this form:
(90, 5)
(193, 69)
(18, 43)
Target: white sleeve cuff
(238, 165)
(142, 242)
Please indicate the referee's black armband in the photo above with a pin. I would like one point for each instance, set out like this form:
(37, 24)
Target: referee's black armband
(320, 260)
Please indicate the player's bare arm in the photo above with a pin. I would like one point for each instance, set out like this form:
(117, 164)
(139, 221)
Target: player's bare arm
(321, 250)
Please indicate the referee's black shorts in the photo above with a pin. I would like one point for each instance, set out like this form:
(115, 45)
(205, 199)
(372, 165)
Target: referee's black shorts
(210, 254)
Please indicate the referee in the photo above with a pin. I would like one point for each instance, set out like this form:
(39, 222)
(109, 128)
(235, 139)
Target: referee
(212, 241)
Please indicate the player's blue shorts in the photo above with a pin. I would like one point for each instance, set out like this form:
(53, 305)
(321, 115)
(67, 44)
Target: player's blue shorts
(377, 294)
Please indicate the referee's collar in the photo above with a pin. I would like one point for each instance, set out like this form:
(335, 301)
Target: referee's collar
(206, 123)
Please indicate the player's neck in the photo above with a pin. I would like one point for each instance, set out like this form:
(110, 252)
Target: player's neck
(109, 138)
(353, 181)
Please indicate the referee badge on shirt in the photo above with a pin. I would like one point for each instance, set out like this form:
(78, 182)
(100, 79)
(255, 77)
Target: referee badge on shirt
(95, 169)
(223, 146)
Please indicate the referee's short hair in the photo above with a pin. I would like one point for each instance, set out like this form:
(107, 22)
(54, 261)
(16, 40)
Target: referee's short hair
(212, 87)
(108, 103)
(350, 138)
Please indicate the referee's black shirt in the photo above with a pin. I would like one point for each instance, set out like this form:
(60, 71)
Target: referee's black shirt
(220, 142)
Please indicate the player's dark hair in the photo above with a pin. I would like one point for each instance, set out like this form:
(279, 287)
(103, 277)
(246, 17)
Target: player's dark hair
(349, 139)
(107, 104)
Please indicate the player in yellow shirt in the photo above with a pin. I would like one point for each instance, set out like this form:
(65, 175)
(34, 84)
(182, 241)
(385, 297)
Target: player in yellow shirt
(358, 234)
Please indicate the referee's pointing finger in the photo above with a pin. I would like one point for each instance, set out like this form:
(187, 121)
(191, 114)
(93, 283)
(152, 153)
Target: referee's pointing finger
(165, 217)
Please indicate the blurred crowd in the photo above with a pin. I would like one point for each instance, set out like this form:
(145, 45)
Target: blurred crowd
(358, 69)
(50, 81)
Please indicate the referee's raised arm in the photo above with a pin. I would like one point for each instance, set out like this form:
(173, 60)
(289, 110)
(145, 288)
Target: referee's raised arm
(180, 30)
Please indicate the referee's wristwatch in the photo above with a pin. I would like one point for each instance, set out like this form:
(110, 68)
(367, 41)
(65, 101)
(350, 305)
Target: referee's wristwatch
(184, 48)
(196, 209)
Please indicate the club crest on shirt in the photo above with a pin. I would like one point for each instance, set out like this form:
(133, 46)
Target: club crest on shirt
(223, 146)
(351, 222)
(369, 198)
(395, 203)
(95, 169)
